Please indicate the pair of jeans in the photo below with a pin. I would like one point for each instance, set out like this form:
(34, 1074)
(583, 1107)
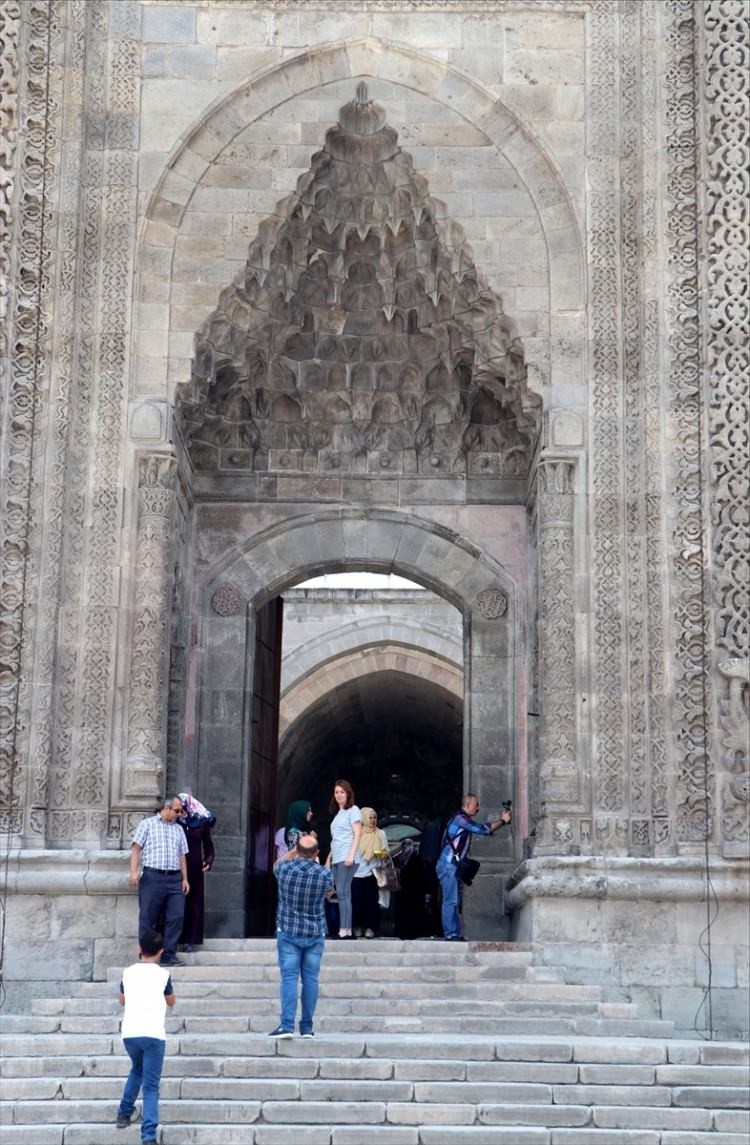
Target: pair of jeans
(342, 878)
(146, 1056)
(450, 885)
(299, 958)
(157, 892)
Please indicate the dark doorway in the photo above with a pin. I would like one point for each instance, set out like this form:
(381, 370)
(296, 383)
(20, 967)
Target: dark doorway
(396, 737)
(259, 904)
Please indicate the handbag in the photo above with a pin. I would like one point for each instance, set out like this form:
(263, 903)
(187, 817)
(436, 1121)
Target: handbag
(386, 876)
(468, 869)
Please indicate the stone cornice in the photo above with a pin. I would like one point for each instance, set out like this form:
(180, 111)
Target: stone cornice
(77, 872)
(671, 879)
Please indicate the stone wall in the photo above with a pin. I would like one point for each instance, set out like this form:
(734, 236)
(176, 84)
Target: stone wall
(592, 155)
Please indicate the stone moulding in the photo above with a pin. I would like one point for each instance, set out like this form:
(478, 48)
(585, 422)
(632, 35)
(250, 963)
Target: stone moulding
(76, 872)
(620, 877)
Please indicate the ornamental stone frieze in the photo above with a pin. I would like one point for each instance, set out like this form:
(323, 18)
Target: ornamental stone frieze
(725, 217)
(150, 631)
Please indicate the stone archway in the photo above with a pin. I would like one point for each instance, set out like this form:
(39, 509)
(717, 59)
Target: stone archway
(361, 661)
(390, 719)
(487, 596)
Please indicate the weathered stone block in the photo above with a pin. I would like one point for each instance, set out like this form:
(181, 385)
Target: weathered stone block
(169, 24)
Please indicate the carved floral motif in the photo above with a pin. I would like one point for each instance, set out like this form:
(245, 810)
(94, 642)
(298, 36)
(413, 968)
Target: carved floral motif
(725, 203)
(492, 603)
(226, 600)
(694, 781)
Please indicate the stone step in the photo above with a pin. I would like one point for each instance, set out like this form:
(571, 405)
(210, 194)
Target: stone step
(401, 979)
(412, 1049)
(377, 1134)
(78, 1069)
(193, 999)
(258, 1021)
(410, 947)
(241, 1100)
(684, 1061)
(512, 1095)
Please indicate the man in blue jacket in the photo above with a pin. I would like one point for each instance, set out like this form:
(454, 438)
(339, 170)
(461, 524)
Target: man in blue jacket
(456, 846)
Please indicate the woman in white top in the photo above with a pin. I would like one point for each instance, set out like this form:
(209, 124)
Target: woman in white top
(345, 831)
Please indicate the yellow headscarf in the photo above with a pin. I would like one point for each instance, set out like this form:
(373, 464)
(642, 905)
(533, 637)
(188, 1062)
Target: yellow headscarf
(372, 839)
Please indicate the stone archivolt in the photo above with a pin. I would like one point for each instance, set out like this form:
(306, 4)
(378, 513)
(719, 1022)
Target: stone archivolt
(360, 335)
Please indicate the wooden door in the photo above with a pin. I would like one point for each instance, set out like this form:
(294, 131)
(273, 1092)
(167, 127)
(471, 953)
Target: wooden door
(259, 905)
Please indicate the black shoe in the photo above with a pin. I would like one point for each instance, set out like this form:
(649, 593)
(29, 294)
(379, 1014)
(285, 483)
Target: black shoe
(281, 1033)
(307, 1034)
(172, 962)
(125, 1119)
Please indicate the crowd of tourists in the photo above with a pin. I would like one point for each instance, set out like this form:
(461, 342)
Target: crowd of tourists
(340, 898)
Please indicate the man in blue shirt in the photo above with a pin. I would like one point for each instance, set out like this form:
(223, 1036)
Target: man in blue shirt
(304, 886)
(456, 846)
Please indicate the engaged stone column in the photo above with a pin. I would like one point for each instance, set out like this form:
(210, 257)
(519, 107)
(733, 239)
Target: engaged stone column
(147, 692)
(558, 788)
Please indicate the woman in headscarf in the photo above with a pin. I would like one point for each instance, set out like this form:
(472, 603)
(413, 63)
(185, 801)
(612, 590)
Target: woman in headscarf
(373, 846)
(297, 822)
(196, 822)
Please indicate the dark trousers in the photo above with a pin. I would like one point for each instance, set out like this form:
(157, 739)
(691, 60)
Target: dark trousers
(365, 905)
(157, 893)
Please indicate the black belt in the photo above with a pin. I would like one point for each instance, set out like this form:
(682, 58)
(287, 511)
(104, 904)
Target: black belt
(159, 871)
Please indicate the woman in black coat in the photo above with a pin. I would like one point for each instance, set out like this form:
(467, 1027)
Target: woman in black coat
(197, 823)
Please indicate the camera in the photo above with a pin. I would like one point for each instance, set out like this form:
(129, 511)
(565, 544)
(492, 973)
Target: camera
(507, 804)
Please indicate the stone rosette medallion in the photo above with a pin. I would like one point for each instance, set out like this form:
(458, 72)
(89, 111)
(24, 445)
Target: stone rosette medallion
(492, 603)
(226, 600)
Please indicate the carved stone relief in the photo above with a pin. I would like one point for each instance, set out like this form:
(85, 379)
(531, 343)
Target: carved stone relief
(725, 206)
(31, 97)
(607, 420)
(694, 780)
(94, 473)
(360, 336)
(144, 775)
(492, 603)
(12, 539)
(559, 779)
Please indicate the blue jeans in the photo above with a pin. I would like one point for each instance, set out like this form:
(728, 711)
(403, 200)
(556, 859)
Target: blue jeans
(298, 958)
(147, 1056)
(451, 886)
(343, 877)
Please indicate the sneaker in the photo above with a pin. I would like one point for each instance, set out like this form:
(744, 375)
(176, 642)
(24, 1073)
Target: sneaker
(172, 962)
(308, 1034)
(369, 933)
(125, 1119)
(281, 1033)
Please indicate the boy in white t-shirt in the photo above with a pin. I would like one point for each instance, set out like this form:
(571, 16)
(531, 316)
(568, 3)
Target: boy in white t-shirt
(145, 992)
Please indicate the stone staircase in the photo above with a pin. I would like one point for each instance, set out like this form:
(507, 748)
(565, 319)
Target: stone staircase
(419, 1043)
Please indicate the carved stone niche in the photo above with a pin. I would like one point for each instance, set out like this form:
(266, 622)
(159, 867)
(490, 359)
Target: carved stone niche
(360, 336)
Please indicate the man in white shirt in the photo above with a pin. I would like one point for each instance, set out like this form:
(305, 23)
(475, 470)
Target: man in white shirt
(145, 992)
